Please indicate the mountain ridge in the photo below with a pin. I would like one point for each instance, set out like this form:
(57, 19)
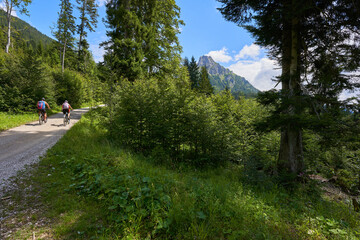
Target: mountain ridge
(23, 31)
(222, 78)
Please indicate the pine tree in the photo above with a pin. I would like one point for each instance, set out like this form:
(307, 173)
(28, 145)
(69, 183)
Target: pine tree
(10, 6)
(314, 43)
(186, 62)
(205, 85)
(65, 29)
(194, 73)
(143, 37)
(88, 20)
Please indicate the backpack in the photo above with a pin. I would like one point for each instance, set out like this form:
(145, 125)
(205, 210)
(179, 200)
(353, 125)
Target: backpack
(41, 105)
(65, 106)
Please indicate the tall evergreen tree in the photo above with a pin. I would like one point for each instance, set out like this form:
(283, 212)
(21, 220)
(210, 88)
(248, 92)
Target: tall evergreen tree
(143, 37)
(186, 62)
(194, 73)
(204, 84)
(65, 29)
(315, 43)
(88, 20)
(10, 6)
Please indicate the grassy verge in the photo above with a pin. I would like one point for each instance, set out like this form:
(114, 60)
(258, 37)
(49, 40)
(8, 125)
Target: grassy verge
(87, 188)
(8, 120)
(11, 120)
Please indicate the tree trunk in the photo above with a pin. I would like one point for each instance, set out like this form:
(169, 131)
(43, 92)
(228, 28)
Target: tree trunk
(63, 58)
(291, 147)
(9, 9)
(81, 31)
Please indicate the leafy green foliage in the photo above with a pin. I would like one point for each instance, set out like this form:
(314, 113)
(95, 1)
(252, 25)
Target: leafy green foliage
(69, 86)
(31, 72)
(24, 82)
(167, 117)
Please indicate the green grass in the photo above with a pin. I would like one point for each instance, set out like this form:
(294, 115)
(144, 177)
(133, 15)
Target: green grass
(8, 120)
(11, 120)
(91, 189)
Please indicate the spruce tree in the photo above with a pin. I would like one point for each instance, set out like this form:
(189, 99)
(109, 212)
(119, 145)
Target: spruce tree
(315, 44)
(65, 29)
(205, 85)
(194, 73)
(143, 37)
(88, 20)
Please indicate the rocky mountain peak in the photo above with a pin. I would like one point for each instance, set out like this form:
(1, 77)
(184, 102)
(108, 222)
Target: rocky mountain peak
(221, 78)
(212, 66)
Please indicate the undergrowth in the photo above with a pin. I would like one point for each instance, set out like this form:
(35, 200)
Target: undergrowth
(93, 189)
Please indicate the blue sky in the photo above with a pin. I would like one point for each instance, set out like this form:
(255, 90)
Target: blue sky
(205, 32)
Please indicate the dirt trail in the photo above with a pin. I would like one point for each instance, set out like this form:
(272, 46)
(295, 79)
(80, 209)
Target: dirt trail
(24, 145)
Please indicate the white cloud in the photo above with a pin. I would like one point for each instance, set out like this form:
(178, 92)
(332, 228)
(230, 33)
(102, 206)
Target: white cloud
(98, 52)
(259, 73)
(251, 51)
(3, 6)
(346, 94)
(220, 55)
(101, 2)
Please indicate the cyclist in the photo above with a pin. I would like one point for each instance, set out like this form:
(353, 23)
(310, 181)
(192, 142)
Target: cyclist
(41, 108)
(65, 107)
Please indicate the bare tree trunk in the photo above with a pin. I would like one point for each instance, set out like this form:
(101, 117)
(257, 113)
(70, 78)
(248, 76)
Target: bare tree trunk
(291, 147)
(82, 25)
(8, 16)
(63, 58)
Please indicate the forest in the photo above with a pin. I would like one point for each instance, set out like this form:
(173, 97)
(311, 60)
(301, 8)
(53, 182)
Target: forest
(167, 157)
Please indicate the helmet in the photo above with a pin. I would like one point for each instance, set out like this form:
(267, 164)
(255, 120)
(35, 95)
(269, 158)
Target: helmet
(66, 101)
(43, 99)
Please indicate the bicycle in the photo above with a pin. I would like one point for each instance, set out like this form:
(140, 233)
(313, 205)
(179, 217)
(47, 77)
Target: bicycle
(66, 119)
(41, 118)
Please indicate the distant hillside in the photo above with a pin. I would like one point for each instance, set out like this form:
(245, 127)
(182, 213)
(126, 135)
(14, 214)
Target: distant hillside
(221, 77)
(22, 30)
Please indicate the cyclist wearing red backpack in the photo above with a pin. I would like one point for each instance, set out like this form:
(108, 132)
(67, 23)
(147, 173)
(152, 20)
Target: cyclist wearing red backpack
(41, 107)
(65, 107)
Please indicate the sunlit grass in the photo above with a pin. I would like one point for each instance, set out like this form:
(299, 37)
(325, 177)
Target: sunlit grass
(11, 120)
(8, 120)
(84, 174)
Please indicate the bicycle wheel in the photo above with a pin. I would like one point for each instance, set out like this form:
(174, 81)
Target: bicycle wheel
(65, 120)
(40, 119)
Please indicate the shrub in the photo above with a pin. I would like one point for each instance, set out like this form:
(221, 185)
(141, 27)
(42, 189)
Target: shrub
(69, 86)
(166, 117)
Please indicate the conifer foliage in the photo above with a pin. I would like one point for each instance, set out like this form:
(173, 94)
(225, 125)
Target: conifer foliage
(88, 21)
(204, 84)
(315, 43)
(143, 37)
(194, 73)
(199, 78)
(65, 29)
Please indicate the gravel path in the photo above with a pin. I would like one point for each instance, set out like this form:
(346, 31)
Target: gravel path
(24, 145)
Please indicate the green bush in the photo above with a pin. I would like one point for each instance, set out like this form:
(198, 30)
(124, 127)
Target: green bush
(166, 117)
(69, 86)
(24, 80)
